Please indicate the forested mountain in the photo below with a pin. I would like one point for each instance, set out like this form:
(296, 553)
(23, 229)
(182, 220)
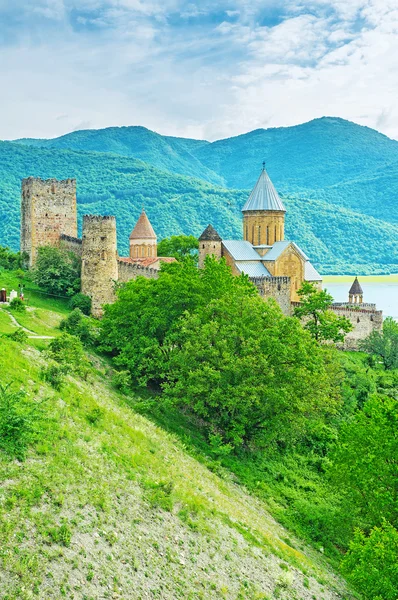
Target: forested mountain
(339, 182)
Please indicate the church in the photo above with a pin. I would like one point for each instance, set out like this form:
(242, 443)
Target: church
(264, 255)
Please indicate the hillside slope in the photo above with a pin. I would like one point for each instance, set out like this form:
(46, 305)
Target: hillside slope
(111, 184)
(328, 159)
(108, 505)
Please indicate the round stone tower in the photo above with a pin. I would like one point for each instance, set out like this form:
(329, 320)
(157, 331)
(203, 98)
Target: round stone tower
(99, 260)
(209, 243)
(264, 214)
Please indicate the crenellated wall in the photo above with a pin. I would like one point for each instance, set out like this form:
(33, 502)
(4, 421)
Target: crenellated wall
(71, 244)
(128, 270)
(277, 288)
(48, 209)
(364, 318)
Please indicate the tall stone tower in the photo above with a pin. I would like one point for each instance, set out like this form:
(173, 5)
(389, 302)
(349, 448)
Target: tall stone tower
(99, 260)
(48, 209)
(143, 240)
(264, 214)
(209, 243)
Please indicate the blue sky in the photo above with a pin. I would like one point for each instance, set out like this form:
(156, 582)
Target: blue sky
(208, 69)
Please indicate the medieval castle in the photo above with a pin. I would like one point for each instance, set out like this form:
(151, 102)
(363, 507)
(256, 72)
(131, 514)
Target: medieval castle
(276, 266)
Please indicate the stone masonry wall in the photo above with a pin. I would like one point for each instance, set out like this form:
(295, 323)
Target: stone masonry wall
(71, 244)
(99, 260)
(48, 209)
(208, 247)
(128, 271)
(364, 321)
(277, 288)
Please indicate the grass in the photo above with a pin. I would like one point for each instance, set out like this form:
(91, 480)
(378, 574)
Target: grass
(109, 504)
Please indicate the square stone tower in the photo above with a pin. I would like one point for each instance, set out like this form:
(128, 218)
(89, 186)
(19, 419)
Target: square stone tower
(48, 209)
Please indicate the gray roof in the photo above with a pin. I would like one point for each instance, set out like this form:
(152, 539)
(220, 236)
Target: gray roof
(252, 268)
(279, 247)
(310, 273)
(209, 234)
(264, 196)
(356, 287)
(241, 250)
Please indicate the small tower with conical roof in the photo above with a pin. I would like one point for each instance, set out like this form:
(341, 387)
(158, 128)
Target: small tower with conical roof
(355, 295)
(264, 214)
(143, 240)
(209, 243)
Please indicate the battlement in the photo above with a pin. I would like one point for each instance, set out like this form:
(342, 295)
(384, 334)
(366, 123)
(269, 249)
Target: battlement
(69, 238)
(272, 280)
(98, 218)
(71, 244)
(37, 180)
(128, 270)
(274, 287)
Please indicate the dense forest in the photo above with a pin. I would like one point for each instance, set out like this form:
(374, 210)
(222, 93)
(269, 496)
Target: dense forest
(336, 238)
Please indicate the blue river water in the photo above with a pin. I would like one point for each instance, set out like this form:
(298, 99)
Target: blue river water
(383, 294)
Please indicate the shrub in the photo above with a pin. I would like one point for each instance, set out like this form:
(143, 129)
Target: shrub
(122, 380)
(18, 421)
(82, 302)
(68, 350)
(84, 328)
(95, 415)
(17, 305)
(57, 271)
(54, 375)
(19, 335)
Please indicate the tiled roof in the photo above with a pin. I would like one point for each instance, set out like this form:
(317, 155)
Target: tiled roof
(143, 229)
(241, 250)
(355, 288)
(209, 234)
(264, 196)
(252, 268)
(310, 273)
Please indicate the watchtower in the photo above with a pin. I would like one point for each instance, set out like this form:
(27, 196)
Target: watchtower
(99, 260)
(355, 295)
(209, 243)
(48, 209)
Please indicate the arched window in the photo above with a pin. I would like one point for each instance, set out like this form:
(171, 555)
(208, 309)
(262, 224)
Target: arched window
(259, 235)
(267, 235)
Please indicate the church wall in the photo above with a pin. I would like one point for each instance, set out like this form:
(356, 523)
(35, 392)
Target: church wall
(290, 264)
(263, 227)
(277, 288)
(230, 261)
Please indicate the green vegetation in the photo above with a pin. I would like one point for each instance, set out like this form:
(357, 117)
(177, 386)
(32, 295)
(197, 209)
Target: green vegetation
(323, 324)
(178, 246)
(57, 271)
(17, 305)
(82, 302)
(10, 260)
(384, 346)
(328, 187)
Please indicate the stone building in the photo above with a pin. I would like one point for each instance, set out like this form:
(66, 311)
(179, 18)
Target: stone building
(49, 218)
(276, 266)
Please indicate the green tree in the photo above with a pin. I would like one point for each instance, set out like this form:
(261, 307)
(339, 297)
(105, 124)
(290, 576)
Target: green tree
(178, 246)
(249, 372)
(322, 323)
(365, 462)
(371, 564)
(384, 344)
(57, 271)
(11, 260)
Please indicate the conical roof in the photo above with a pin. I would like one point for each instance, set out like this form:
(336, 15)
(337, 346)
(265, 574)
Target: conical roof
(355, 288)
(143, 229)
(209, 234)
(264, 196)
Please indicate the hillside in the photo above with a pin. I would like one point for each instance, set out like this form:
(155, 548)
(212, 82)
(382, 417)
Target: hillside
(119, 185)
(326, 159)
(109, 505)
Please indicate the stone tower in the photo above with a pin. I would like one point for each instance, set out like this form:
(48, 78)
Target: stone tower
(209, 243)
(143, 240)
(264, 214)
(355, 295)
(48, 209)
(99, 260)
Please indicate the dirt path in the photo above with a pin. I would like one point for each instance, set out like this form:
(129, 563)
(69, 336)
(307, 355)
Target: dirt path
(31, 334)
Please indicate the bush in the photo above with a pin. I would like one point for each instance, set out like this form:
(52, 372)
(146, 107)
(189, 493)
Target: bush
(371, 563)
(19, 335)
(57, 271)
(17, 305)
(122, 380)
(68, 351)
(82, 302)
(18, 421)
(54, 375)
(84, 328)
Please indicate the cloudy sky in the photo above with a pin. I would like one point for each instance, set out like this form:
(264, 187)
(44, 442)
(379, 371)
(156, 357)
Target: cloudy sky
(204, 69)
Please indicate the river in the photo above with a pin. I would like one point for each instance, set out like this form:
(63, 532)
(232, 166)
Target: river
(380, 290)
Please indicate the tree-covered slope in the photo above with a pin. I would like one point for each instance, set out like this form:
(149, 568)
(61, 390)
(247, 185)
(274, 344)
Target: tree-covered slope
(337, 239)
(330, 158)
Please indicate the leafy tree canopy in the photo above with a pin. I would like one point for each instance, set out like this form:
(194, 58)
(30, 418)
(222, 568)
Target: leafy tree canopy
(322, 323)
(178, 246)
(57, 271)
(384, 345)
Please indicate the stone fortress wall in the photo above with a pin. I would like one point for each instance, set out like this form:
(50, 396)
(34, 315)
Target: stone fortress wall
(277, 288)
(364, 318)
(71, 244)
(48, 209)
(128, 270)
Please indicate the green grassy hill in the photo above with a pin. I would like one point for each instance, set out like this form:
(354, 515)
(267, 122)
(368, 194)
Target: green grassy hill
(339, 240)
(107, 504)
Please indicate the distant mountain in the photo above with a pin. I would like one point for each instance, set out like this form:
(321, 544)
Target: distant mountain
(327, 159)
(337, 239)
